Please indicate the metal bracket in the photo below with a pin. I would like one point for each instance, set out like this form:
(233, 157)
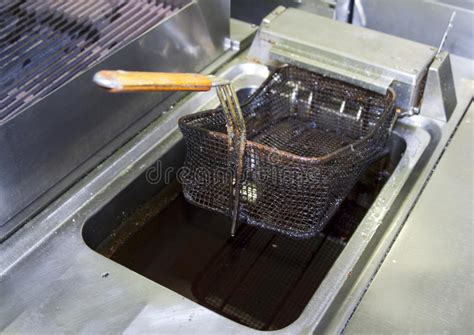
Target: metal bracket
(332, 67)
(241, 35)
(360, 56)
(439, 97)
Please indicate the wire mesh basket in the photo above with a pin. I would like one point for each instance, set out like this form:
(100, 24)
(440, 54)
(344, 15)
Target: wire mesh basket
(309, 138)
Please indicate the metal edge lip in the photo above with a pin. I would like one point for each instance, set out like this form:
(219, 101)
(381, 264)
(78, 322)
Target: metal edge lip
(402, 172)
(416, 144)
(146, 143)
(440, 135)
(326, 292)
(433, 240)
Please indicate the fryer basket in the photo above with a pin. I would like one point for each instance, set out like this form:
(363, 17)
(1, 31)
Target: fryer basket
(309, 138)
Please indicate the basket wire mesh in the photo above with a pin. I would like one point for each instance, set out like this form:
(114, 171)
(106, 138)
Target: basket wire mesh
(309, 138)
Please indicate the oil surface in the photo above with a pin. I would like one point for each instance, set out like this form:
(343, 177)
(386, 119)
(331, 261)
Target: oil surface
(258, 278)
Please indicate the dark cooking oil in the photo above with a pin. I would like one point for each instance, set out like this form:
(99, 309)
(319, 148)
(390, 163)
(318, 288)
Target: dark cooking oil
(258, 278)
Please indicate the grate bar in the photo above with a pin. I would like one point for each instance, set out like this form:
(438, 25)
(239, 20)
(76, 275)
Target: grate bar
(93, 53)
(41, 33)
(88, 53)
(46, 41)
(45, 44)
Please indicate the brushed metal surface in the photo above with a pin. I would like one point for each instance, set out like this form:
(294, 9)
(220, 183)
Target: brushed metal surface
(426, 283)
(423, 21)
(357, 55)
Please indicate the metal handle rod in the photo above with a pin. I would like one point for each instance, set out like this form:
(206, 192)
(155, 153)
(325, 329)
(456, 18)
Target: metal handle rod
(237, 140)
(446, 32)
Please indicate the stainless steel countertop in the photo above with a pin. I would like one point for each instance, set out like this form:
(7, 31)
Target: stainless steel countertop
(426, 283)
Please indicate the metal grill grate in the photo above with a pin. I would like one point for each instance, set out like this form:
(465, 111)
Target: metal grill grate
(43, 44)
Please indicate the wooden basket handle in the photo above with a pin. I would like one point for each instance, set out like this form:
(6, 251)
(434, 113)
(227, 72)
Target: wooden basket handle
(125, 81)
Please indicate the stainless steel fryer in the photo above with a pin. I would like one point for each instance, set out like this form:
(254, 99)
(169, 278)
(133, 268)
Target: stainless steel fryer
(57, 249)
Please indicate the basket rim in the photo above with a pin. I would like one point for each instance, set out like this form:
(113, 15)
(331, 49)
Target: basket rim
(288, 155)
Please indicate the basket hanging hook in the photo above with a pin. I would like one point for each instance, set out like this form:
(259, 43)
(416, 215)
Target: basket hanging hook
(237, 140)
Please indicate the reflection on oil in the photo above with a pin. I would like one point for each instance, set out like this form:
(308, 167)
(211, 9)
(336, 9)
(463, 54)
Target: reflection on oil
(258, 278)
